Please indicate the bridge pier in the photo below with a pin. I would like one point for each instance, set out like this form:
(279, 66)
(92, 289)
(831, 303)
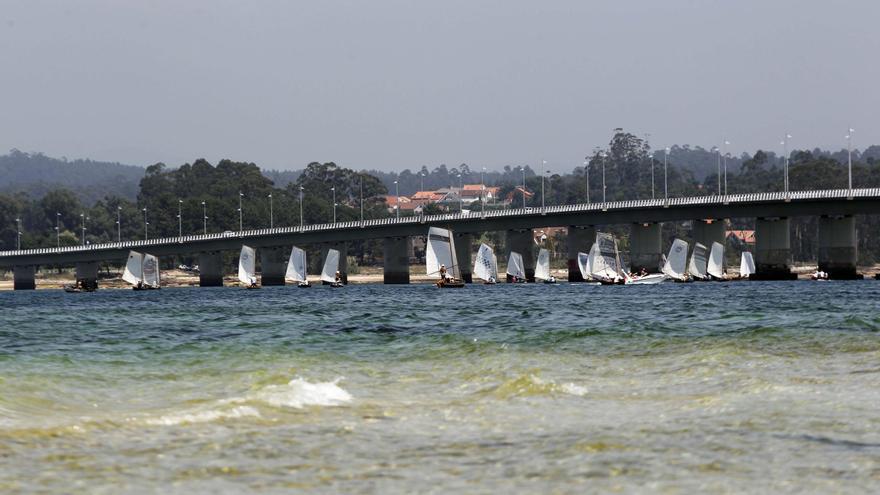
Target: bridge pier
(342, 247)
(396, 260)
(772, 249)
(579, 239)
(523, 242)
(210, 269)
(645, 249)
(838, 247)
(463, 244)
(23, 277)
(272, 266)
(708, 231)
(87, 274)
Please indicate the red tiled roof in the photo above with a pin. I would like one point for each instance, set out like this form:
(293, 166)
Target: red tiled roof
(746, 236)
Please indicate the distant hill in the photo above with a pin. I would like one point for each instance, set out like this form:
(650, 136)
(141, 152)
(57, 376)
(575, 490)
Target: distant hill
(35, 174)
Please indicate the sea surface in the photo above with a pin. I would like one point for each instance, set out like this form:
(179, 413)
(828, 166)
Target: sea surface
(675, 388)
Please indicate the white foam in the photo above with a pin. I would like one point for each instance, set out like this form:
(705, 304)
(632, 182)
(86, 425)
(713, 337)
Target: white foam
(299, 393)
(204, 416)
(573, 389)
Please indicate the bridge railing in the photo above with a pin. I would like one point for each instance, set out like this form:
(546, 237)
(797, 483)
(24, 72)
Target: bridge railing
(828, 194)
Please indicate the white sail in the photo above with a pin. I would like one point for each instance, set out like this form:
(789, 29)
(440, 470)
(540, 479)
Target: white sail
(296, 265)
(715, 265)
(134, 268)
(484, 264)
(542, 267)
(441, 251)
(247, 266)
(151, 270)
(494, 266)
(697, 266)
(676, 262)
(584, 264)
(747, 264)
(515, 266)
(331, 266)
(606, 261)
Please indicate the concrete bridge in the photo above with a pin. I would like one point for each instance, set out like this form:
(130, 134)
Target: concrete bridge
(772, 211)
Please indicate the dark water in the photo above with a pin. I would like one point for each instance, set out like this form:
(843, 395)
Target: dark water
(676, 387)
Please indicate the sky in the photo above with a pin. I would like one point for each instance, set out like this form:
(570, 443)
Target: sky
(394, 84)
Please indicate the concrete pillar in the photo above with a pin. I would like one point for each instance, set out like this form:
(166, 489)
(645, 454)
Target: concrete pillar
(772, 249)
(210, 269)
(838, 247)
(708, 231)
(273, 266)
(87, 274)
(580, 239)
(463, 248)
(23, 277)
(523, 242)
(396, 260)
(342, 247)
(645, 249)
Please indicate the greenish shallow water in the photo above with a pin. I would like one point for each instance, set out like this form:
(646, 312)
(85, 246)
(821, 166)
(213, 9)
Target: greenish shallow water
(672, 388)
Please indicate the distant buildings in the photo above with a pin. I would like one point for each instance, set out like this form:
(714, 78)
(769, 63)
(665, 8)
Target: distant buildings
(447, 198)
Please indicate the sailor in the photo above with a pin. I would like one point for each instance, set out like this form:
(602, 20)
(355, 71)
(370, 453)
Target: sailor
(443, 274)
(552, 279)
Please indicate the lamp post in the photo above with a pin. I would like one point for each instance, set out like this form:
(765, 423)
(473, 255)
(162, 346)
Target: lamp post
(460, 193)
(179, 218)
(204, 218)
(483, 192)
(666, 175)
(333, 190)
(146, 223)
(118, 224)
(717, 151)
(784, 144)
(543, 166)
(18, 233)
(362, 199)
(849, 158)
(524, 186)
(301, 193)
(651, 161)
(271, 213)
(58, 230)
(82, 217)
(240, 213)
(726, 154)
(396, 199)
(604, 155)
(421, 181)
(587, 178)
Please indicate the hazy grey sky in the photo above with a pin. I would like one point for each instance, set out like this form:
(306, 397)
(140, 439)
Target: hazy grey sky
(395, 84)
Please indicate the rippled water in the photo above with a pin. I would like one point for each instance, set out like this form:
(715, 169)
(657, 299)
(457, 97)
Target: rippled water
(675, 388)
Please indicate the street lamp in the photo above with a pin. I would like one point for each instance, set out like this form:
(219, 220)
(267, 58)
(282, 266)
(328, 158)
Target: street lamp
(396, 199)
(849, 157)
(240, 213)
(362, 199)
(146, 223)
(82, 217)
(666, 175)
(271, 213)
(604, 155)
(717, 151)
(784, 144)
(543, 166)
(333, 190)
(179, 218)
(587, 178)
(301, 193)
(651, 161)
(726, 154)
(421, 181)
(204, 218)
(18, 233)
(58, 230)
(460, 193)
(118, 224)
(483, 192)
(524, 186)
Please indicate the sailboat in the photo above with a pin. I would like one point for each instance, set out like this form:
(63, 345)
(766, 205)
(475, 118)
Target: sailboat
(697, 266)
(675, 267)
(486, 265)
(542, 268)
(296, 267)
(515, 268)
(141, 271)
(746, 265)
(715, 265)
(440, 259)
(331, 269)
(247, 268)
(604, 260)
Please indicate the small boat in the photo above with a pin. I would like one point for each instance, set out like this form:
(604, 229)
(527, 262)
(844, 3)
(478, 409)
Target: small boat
(247, 268)
(675, 266)
(746, 265)
(516, 268)
(72, 289)
(697, 267)
(486, 265)
(604, 261)
(142, 271)
(715, 265)
(542, 267)
(440, 259)
(296, 268)
(330, 273)
(819, 276)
